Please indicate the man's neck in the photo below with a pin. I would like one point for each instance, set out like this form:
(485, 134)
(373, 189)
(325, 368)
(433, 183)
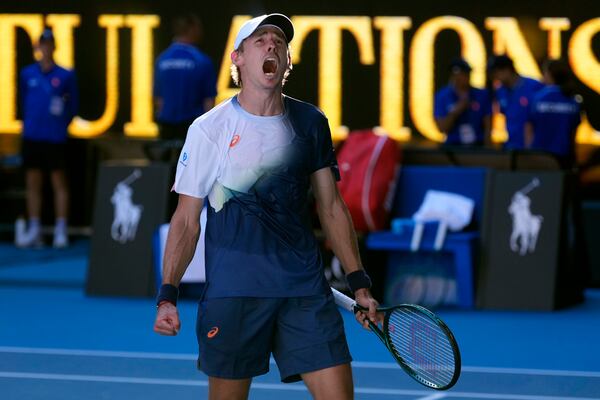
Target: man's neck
(46, 64)
(183, 40)
(514, 80)
(262, 103)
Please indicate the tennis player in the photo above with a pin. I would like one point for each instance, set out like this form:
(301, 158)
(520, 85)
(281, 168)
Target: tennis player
(254, 158)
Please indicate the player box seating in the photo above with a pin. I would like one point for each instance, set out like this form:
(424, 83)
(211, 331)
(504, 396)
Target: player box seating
(412, 185)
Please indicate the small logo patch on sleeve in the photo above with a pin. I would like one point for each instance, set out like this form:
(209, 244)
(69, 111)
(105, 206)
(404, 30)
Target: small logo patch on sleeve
(184, 159)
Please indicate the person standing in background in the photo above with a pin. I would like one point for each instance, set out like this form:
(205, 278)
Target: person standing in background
(514, 95)
(462, 111)
(49, 100)
(184, 80)
(555, 114)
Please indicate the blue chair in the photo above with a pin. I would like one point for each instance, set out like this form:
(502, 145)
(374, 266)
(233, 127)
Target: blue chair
(412, 184)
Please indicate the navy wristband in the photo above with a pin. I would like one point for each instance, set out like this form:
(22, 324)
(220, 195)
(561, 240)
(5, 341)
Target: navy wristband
(358, 280)
(167, 292)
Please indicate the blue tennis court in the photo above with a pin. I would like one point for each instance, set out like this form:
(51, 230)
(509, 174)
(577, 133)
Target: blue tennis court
(58, 343)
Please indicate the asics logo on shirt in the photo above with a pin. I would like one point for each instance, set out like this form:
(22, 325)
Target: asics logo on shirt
(234, 141)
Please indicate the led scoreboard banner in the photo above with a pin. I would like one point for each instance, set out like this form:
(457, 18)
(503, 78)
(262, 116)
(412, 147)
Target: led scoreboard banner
(400, 54)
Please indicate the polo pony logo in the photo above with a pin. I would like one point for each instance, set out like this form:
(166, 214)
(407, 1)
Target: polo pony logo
(127, 215)
(526, 226)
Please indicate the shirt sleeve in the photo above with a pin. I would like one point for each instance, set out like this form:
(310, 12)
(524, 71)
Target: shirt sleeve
(532, 113)
(324, 152)
(198, 164)
(486, 103)
(439, 106)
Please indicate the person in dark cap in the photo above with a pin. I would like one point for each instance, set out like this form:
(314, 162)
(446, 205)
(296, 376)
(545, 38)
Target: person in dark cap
(49, 102)
(253, 159)
(513, 93)
(462, 111)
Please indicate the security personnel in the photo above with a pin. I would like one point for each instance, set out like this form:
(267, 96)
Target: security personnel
(184, 80)
(49, 100)
(461, 111)
(555, 114)
(514, 95)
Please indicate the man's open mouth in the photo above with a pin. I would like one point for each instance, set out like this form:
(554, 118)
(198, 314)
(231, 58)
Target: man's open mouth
(270, 66)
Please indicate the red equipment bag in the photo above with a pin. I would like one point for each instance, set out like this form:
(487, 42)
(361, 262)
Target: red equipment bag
(368, 164)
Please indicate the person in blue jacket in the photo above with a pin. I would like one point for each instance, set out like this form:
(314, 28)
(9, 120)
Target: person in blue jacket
(514, 95)
(462, 111)
(184, 80)
(49, 98)
(555, 114)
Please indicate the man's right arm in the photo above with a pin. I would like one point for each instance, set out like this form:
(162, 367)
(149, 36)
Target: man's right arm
(179, 251)
(182, 239)
(446, 123)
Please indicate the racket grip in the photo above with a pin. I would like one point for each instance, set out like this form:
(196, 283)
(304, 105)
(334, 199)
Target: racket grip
(343, 301)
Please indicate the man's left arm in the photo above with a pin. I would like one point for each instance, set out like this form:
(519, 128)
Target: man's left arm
(337, 225)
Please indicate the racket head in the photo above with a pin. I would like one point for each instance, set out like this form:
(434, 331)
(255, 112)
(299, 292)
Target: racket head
(423, 345)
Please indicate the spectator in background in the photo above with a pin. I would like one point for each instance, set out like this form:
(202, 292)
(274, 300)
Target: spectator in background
(50, 101)
(554, 114)
(184, 80)
(514, 94)
(462, 111)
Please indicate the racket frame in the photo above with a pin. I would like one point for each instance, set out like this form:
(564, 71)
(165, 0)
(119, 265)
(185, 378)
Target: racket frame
(383, 335)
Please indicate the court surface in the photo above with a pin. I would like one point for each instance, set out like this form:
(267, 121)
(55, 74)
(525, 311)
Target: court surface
(58, 343)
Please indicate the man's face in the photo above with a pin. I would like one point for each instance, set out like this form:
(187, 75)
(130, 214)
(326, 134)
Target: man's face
(503, 75)
(264, 58)
(460, 80)
(46, 48)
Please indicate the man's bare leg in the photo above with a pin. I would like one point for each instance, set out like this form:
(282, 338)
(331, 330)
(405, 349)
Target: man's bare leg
(61, 193)
(228, 389)
(333, 383)
(33, 187)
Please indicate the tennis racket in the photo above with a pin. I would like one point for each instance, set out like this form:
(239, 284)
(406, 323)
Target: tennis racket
(418, 340)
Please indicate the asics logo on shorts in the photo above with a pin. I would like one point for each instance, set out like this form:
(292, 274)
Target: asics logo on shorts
(213, 332)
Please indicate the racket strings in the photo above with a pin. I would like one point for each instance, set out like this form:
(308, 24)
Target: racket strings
(422, 345)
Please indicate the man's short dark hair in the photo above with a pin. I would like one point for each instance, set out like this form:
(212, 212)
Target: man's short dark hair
(459, 65)
(46, 36)
(183, 23)
(501, 61)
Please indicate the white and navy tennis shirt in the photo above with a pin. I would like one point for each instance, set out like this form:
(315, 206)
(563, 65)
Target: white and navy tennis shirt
(255, 172)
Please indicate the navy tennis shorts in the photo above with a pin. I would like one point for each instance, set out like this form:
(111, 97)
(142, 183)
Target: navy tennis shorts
(237, 336)
(43, 155)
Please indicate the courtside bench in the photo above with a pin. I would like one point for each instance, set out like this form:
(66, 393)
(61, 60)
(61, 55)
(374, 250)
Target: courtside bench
(412, 184)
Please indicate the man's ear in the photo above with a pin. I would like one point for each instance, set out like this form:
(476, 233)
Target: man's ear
(235, 57)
